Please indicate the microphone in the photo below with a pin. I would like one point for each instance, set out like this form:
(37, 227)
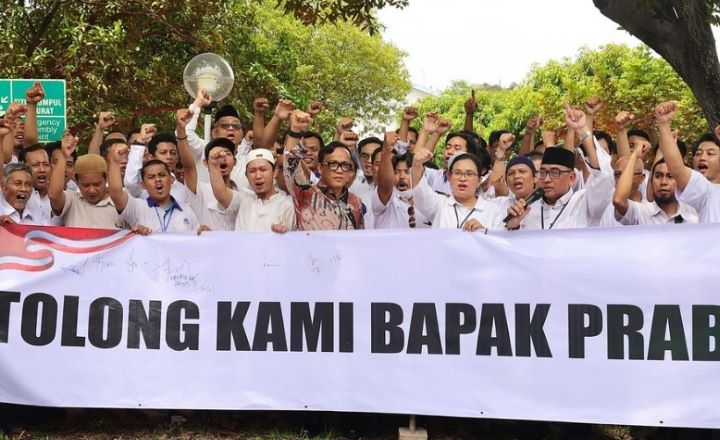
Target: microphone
(532, 198)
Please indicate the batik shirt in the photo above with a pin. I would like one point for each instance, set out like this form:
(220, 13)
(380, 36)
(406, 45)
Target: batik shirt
(316, 207)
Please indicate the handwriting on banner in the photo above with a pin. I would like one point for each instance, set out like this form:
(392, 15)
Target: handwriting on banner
(624, 330)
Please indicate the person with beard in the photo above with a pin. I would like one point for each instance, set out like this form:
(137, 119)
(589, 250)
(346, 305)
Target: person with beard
(392, 207)
(662, 210)
(693, 187)
(464, 209)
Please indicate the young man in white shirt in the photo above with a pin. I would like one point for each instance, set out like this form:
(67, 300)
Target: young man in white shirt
(694, 188)
(664, 209)
(160, 212)
(37, 158)
(392, 206)
(264, 208)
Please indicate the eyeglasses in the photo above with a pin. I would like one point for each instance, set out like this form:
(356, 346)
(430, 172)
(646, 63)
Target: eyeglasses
(228, 125)
(554, 173)
(345, 166)
(465, 174)
(411, 214)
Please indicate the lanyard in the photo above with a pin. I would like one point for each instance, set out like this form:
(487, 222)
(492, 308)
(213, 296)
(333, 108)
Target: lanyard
(165, 222)
(542, 215)
(457, 218)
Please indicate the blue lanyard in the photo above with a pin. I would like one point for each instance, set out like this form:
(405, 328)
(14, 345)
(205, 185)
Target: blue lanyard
(165, 222)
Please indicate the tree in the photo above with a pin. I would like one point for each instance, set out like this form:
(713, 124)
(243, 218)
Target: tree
(128, 56)
(680, 31)
(630, 79)
(359, 12)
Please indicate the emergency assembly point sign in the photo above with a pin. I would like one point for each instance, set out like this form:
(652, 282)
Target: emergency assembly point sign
(51, 111)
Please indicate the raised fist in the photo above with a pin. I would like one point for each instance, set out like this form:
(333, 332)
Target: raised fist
(623, 120)
(665, 112)
(260, 105)
(284, 108)
(409, 113)
(35, 94)
(315, 107)
(105, 120)
(593, 105)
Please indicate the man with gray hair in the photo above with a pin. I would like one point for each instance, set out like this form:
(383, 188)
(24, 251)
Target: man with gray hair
(17, 180)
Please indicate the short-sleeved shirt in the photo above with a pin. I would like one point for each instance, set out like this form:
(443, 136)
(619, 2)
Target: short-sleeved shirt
(26, 218)
(395, 214)
(80, 213)
(173, 218)
(448, 213)
(702, 195)
(253, 214)
(209, 211)
(649, 213)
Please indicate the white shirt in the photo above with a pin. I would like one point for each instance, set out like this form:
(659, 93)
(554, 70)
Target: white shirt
(608, 219)
(395, 214)
(576, 209)
(255, 215)
(649, 213)
(132, 178)
(437, 181)
(209, 211)
(40, 209)
(447, 213)
(364, 190)
(703, 195)
(78, 212)
(146, 212)
(26, 218)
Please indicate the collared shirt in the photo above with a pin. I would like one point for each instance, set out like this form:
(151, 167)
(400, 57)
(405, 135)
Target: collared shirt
(395, 214)
(209, 211)
(364, 189)
(438, 181)
(316, 208)
(255, 215)
(448, 213)
(173, 218)
(80, 213)
(132, 178)
(703, 195)
(650, 213)
(40, 210)
(26, 218)
(576, 209)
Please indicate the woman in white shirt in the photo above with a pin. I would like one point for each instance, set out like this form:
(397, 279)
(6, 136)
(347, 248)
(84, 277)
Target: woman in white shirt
(463, 209)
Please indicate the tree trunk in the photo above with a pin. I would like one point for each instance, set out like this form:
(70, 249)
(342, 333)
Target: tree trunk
(680, 31)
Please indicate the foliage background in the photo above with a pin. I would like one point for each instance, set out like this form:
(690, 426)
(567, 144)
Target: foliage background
(128, 56)
(630, 79)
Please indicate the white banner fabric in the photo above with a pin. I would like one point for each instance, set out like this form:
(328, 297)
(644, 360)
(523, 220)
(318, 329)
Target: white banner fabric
(613, 325)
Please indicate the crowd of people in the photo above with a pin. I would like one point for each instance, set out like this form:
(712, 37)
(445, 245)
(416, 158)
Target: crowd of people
(279, 175)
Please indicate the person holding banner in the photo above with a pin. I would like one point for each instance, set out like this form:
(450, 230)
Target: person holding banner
(92, 207)
(160, 212)
(464, 209)
(327, 205)
(693, 187)
(561, 206)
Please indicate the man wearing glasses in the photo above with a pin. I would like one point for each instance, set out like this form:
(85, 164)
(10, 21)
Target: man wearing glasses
(327, 205)
(561, 207)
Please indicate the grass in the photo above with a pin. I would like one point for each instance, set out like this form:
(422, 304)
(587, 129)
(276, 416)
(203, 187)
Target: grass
(41, 424)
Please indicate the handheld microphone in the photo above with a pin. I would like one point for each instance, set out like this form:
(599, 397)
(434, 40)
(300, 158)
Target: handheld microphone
(532, 198)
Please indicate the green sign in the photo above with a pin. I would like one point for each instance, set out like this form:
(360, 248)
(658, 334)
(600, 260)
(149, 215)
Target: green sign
(51, 111)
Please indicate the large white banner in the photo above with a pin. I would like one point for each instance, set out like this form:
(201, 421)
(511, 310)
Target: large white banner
(598, 325)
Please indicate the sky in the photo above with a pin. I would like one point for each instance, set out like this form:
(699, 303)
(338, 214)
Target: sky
(493, 41)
